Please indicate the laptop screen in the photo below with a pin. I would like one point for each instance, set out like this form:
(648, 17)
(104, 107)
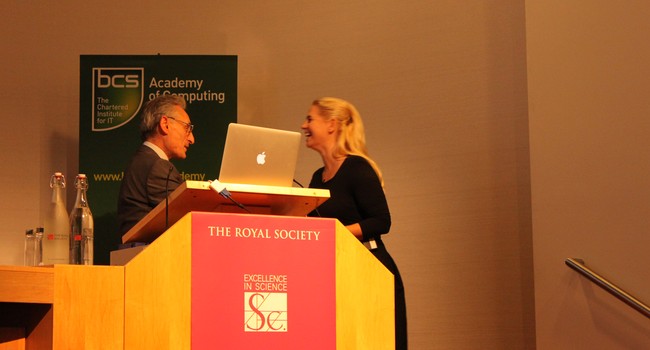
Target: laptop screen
(259, 156)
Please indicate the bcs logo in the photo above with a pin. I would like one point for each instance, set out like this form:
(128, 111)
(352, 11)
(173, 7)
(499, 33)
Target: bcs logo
(265, 312)
(117, 96)
(117, 80)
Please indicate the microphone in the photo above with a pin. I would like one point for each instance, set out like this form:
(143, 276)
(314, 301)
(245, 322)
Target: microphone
(171, 167)
(221, 189)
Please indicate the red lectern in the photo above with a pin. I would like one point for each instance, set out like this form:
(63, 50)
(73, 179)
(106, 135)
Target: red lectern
(247, 281)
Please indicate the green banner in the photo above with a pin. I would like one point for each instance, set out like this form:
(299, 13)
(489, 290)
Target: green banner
(113, 89)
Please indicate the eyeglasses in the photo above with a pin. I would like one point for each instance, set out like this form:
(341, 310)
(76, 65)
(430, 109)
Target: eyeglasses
(188, 127)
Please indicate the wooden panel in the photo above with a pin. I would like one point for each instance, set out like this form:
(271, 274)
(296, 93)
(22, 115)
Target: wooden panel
(365, 301)
(34, 319)
(40, 331)
(12, 338)
(26, 284)
(88, 307)
(158, 292)
(25, 295)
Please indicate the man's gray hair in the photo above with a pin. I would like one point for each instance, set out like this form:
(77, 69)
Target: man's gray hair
(154, 110)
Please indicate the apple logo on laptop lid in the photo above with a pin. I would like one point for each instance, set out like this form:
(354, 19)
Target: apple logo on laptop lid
(261, 158)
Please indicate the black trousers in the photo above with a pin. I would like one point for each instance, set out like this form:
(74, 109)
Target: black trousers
(401, 337)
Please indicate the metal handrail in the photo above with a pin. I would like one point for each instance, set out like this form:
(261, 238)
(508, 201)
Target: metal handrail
(578, 265)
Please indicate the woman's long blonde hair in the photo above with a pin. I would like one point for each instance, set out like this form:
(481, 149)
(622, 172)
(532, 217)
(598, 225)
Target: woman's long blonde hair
(352, 138)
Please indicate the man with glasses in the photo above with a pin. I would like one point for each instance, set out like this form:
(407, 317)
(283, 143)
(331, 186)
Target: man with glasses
(166, 130)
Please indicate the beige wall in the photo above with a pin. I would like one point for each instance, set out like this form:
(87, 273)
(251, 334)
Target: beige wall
(589, 108)
(441, 86)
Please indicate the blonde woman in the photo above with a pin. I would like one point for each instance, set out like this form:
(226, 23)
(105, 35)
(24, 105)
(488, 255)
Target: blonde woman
(334, 129)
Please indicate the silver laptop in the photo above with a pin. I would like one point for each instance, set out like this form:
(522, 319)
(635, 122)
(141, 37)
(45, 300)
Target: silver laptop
(259, 156)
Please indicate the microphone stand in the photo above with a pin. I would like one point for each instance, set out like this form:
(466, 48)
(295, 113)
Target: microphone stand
(171, 167)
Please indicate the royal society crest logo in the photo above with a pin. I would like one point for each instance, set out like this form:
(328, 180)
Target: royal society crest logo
(265, 303)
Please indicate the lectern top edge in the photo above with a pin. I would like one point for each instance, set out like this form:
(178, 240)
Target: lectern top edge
(197, 196)
(271, 190)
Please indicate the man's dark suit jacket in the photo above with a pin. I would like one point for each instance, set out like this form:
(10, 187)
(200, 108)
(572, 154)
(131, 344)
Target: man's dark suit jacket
(147, 180)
